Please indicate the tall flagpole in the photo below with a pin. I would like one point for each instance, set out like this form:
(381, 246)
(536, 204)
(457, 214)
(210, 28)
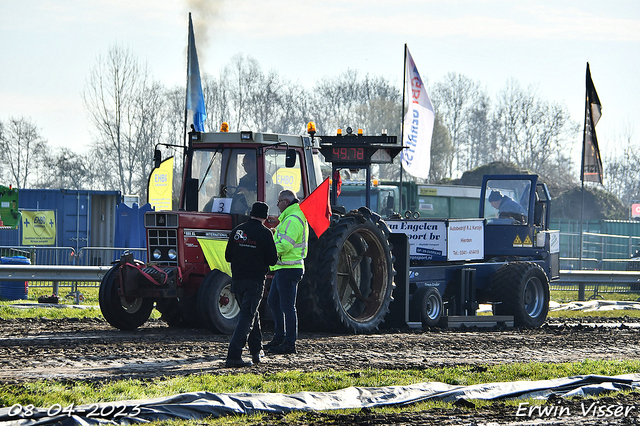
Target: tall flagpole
(404, 91)
(186, 92)
(186, 101)
(584, 132)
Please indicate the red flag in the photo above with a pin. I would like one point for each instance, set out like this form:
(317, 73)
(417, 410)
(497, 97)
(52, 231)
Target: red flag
(317, 209)
(338, 178)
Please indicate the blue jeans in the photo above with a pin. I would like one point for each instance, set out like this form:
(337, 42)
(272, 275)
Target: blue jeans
(282, 301)
(248, 293)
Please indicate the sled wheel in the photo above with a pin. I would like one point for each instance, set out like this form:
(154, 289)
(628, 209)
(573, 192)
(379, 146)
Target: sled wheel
(523, 290)
(119, 311)
(427, 302)
(218, 309)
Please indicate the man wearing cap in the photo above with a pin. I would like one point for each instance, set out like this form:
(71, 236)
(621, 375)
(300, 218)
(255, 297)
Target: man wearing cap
(507, 207)
(251, 250)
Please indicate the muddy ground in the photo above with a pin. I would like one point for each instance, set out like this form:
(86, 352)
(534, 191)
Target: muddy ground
(91, 350)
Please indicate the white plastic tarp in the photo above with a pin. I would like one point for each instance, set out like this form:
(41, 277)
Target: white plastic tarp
(196, 405)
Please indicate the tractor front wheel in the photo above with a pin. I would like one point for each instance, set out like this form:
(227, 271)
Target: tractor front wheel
(124, 313)
(218, 308)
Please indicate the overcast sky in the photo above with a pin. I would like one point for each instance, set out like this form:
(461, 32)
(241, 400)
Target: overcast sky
(48, 47)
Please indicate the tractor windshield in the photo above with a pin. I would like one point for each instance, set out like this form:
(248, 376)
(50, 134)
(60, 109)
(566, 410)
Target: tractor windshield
(277, 176)
(507, 201)
(227, 180)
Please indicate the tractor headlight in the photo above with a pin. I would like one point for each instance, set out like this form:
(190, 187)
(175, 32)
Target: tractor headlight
(173, 254)
(157, 254)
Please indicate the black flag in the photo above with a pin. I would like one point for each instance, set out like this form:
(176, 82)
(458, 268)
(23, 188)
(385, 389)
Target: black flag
(591, 161)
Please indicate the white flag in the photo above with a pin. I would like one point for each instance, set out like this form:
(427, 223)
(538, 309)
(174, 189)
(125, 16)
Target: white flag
(418, 124)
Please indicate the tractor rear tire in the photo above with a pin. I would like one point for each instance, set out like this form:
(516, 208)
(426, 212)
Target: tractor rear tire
(218, 308)
(120, 312)
(350, 275)
(523, 290)
(428, 303)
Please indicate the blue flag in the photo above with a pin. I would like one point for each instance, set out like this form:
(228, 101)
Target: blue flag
(196, 110)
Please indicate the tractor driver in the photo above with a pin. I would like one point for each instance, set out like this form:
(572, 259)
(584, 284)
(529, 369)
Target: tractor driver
(507, 207)
(249, 182)
(247, 192)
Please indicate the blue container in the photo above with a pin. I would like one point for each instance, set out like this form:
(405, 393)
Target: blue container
(83, 218)
(14, 290)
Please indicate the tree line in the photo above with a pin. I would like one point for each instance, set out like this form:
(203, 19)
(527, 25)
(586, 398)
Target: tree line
(130, 113)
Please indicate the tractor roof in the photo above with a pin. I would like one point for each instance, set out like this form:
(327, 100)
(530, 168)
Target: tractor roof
(248, 137)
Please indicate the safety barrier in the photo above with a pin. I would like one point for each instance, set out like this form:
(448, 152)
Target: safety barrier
(105, 256)
(597, 282)
(53, 275)
(67, 256)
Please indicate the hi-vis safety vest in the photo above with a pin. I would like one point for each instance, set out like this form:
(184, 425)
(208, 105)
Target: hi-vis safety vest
(291, 238)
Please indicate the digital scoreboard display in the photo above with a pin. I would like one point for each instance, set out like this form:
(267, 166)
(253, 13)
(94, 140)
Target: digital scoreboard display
(348, 155)
(359, 150)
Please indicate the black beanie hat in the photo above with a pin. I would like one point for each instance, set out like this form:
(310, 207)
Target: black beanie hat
(259, 210)
(495, 195)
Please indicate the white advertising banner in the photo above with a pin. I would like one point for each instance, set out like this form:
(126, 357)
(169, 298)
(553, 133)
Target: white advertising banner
(465, 240)
(427, 238)
(418, 124)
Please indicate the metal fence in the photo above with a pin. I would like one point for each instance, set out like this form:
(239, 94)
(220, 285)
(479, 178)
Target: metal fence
(67, 256)
(604, 252)
(41, 255)
(105, 256)
(86, 256)
(596, 283)
(600, 253)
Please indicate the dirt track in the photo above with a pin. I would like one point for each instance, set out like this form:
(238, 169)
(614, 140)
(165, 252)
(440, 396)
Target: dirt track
(90, 350)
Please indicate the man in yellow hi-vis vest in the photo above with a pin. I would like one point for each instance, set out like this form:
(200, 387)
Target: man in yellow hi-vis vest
(291, 239)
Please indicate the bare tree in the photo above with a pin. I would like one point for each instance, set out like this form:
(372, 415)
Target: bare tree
(149, 123)
(533, 133)
(480, 135)
(295, 110)
(622, 176)
(21, 147)
(455, 98)
(216, 97)
(351, 101)
(441, 150)
(123, 105)
(71, 170)
(243, 76)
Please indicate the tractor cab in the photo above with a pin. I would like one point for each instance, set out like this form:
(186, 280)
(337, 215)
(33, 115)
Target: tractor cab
(517, 215)
(228, 172)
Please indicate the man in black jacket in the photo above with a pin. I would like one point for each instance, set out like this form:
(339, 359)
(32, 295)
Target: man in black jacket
(251, 250)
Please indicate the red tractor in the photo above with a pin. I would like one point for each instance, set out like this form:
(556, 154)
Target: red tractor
(349, 273)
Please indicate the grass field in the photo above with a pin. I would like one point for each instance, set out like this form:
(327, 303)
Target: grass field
(90, 295)
(47, 393)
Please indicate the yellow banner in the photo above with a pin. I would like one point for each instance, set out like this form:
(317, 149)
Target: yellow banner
(214, 253)
(288, 178)
(161, 185)
(38, 228)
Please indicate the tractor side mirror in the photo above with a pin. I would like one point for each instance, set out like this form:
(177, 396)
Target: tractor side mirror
(291, 158)
(157, 158)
